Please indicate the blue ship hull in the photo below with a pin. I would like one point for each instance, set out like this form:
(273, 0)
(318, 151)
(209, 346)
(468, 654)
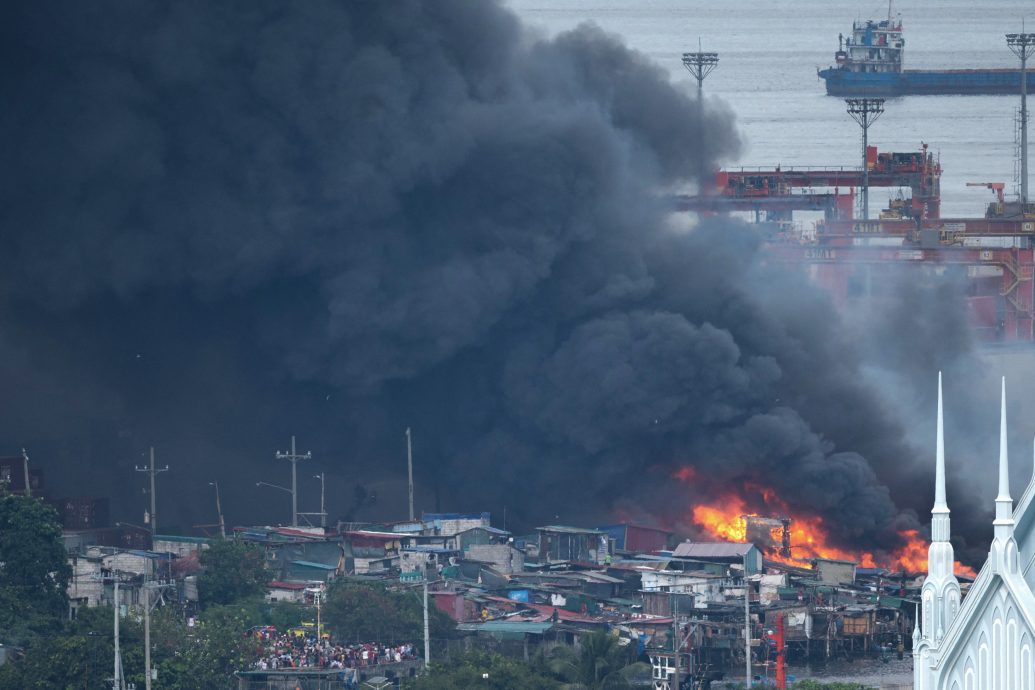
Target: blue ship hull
(843, 82)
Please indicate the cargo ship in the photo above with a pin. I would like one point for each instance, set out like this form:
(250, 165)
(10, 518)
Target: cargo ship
(869, 63)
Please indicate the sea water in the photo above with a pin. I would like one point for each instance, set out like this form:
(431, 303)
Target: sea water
(769, 52)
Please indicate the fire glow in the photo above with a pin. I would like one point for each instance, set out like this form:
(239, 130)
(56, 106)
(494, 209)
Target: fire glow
(726, 519)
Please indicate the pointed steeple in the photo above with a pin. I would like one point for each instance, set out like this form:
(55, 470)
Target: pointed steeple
(939, 473)
(1003, 553)
(941, 591)
(1003, 502)
(940, 512)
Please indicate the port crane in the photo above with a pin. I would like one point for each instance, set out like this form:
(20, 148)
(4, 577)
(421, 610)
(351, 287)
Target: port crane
(996, 187)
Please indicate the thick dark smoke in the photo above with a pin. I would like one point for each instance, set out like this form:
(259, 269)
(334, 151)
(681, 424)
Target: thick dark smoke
(224, 223)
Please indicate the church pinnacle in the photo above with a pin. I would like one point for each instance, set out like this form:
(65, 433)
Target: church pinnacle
(940, 594)
(1004, 550)
(940, 512)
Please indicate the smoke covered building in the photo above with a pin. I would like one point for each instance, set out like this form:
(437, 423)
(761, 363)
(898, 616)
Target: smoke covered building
(987, 642)
(13, 471)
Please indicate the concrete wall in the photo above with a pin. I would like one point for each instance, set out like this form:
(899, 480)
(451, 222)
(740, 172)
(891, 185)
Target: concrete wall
(502, 557)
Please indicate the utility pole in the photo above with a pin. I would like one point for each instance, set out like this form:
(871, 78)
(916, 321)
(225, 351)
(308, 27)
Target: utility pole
(865, 112)
(25, 465)
(117, 683)
(1022, 45)
(153, 517)
(323, 508)
(409, 467)
(427, 638)
(318, 600)
(147, 633)
(149, 585)
(294, 457)
(675, 639)
(747, 624)
(219, 511)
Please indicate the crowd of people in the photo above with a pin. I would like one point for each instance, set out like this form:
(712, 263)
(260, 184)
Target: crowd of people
(303, 649)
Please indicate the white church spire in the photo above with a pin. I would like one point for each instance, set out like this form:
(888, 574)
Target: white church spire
(1004, 549)
(940, 512)
(1003, 501)
(940, 595)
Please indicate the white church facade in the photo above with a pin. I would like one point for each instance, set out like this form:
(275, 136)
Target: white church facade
(988, 641)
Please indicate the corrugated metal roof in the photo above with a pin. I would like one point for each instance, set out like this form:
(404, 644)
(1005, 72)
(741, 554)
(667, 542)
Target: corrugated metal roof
(491, 530)
(181, 539)
(571, 530)
(712, 550)
(506, 627)
(278, 584)
(311, 564)
(430, 549)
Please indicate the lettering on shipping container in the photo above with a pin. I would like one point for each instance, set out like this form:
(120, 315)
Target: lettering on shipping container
(819, 253)
(866, 227)
(911, 255)
(954, 227)
(984, 271)
(1027, 227)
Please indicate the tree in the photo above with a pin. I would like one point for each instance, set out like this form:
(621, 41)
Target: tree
(81, 655)
(34, 570)
(597, 663)
(481, 670)
(205, 656)
(233, 571)
(369, 612)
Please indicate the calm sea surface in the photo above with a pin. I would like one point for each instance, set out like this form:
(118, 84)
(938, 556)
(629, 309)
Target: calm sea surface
(768, 55)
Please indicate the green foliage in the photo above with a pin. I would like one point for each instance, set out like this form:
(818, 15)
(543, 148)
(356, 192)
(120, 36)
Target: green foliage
(83, 656)
(483, 671)
(232, 571)
(34, 570)
(201, 657)
(368, 612)
(284, 615)
(597, 664)
(206, 655)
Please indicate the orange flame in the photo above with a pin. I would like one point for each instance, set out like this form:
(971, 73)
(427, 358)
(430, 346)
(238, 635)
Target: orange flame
(726, 519)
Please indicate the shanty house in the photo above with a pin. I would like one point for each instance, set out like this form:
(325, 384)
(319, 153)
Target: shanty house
(503, 557)
(562, 543)
(370, 552)
(833, 571)
(637, 538)
(479, 536)
(722, 552)
(448, 524)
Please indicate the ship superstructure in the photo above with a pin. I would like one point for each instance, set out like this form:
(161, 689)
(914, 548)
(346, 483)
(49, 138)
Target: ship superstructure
(870, 63)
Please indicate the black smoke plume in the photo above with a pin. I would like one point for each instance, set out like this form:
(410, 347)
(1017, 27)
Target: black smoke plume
(226, 223)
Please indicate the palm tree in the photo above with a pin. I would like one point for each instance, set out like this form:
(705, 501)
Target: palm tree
(596, 665)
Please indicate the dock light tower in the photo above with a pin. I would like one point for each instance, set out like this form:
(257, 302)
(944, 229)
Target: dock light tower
(1022, 46)
(294, 457)
(865, 112)
(700, 65)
